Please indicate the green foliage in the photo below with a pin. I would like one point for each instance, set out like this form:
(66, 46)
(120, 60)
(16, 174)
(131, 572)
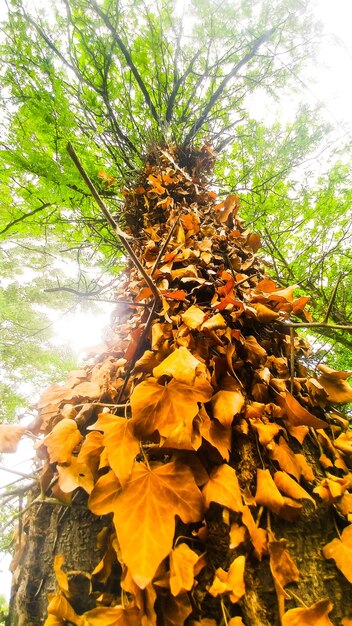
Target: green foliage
(117, 78)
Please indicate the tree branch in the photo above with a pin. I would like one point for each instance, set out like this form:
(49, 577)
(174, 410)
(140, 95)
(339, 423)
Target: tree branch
(23, 217)
(217, 94)
(128, 59)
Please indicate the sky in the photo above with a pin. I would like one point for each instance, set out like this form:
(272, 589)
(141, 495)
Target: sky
(332, 84)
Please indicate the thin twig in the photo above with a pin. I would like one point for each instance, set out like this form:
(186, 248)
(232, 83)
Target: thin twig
(163, 247)
(119, 233)
(317, 325)
(332, 298)
(292, 359)
(17, 473)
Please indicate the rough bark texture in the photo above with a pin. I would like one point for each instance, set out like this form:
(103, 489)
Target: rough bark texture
(48, 530)
(202, 260)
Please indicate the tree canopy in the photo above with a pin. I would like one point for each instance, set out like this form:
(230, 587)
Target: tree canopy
(116, 79)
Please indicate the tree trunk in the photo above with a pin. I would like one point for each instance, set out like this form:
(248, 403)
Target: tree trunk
(201, 387)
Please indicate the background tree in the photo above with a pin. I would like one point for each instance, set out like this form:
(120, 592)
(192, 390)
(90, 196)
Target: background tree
(69, 76)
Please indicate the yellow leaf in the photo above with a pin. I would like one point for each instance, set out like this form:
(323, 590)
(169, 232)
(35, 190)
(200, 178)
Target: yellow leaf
(237, 535)
(344, 442)
(223, 488)
(150, 501)
(120, 443)
(62, 440)
(182, 562)
(268, 495)
(227, 404)
(266, 432)
(59, 607)
(9, 437)
(175, 610)
(163, 407)
(255, 353)
(315, 615)
(341, 551)
(193, 317)
(231, 582)
(61, 577)
(181, 365)
(214, 323)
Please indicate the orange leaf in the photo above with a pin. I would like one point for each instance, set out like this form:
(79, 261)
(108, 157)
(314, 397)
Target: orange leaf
(339, 391)
(112, 616)
(121, 445)
(259, 536)
(227, 404)
(268, 495)
(315, 615)
(341, 551)
(266, 432)
(290, 487)
(181, 365)
(182, 562)
(163, 407)
(214, 323)
(62, 440)
(255, 353)
(74, 475)
(10, 436)
(283, 569)
(171, 294)
(60, 576)
(107, 178)
(190, 222)
(150, 500)
(297, 414)
(104, 495)
(59, 607)
(223, 488)
(87, 390)
(344, 442)
(283, 454)
(264, 314)
(231, 582)
(214, 433)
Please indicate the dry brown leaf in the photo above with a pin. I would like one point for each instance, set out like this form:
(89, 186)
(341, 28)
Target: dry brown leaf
(315, 615)
(290, 487)
(62, 440)
(163, 407)
(175, 610)
(231, 582)
(55, 394)
(283, 569)
(223, 488)
(150, 500)
(341, 551)
(338, 389)
(255, 353)
(282, 453)
(333, 374)
(305, 468)
(344, 442)
(181, 365)
(214, 323)
(182, 562)
(121, 445)
(214, 433)
(268, 495)
(10, 436)
(297, 414)
(87, 390)
(266, 431)
(227, 404)
(264, 314)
